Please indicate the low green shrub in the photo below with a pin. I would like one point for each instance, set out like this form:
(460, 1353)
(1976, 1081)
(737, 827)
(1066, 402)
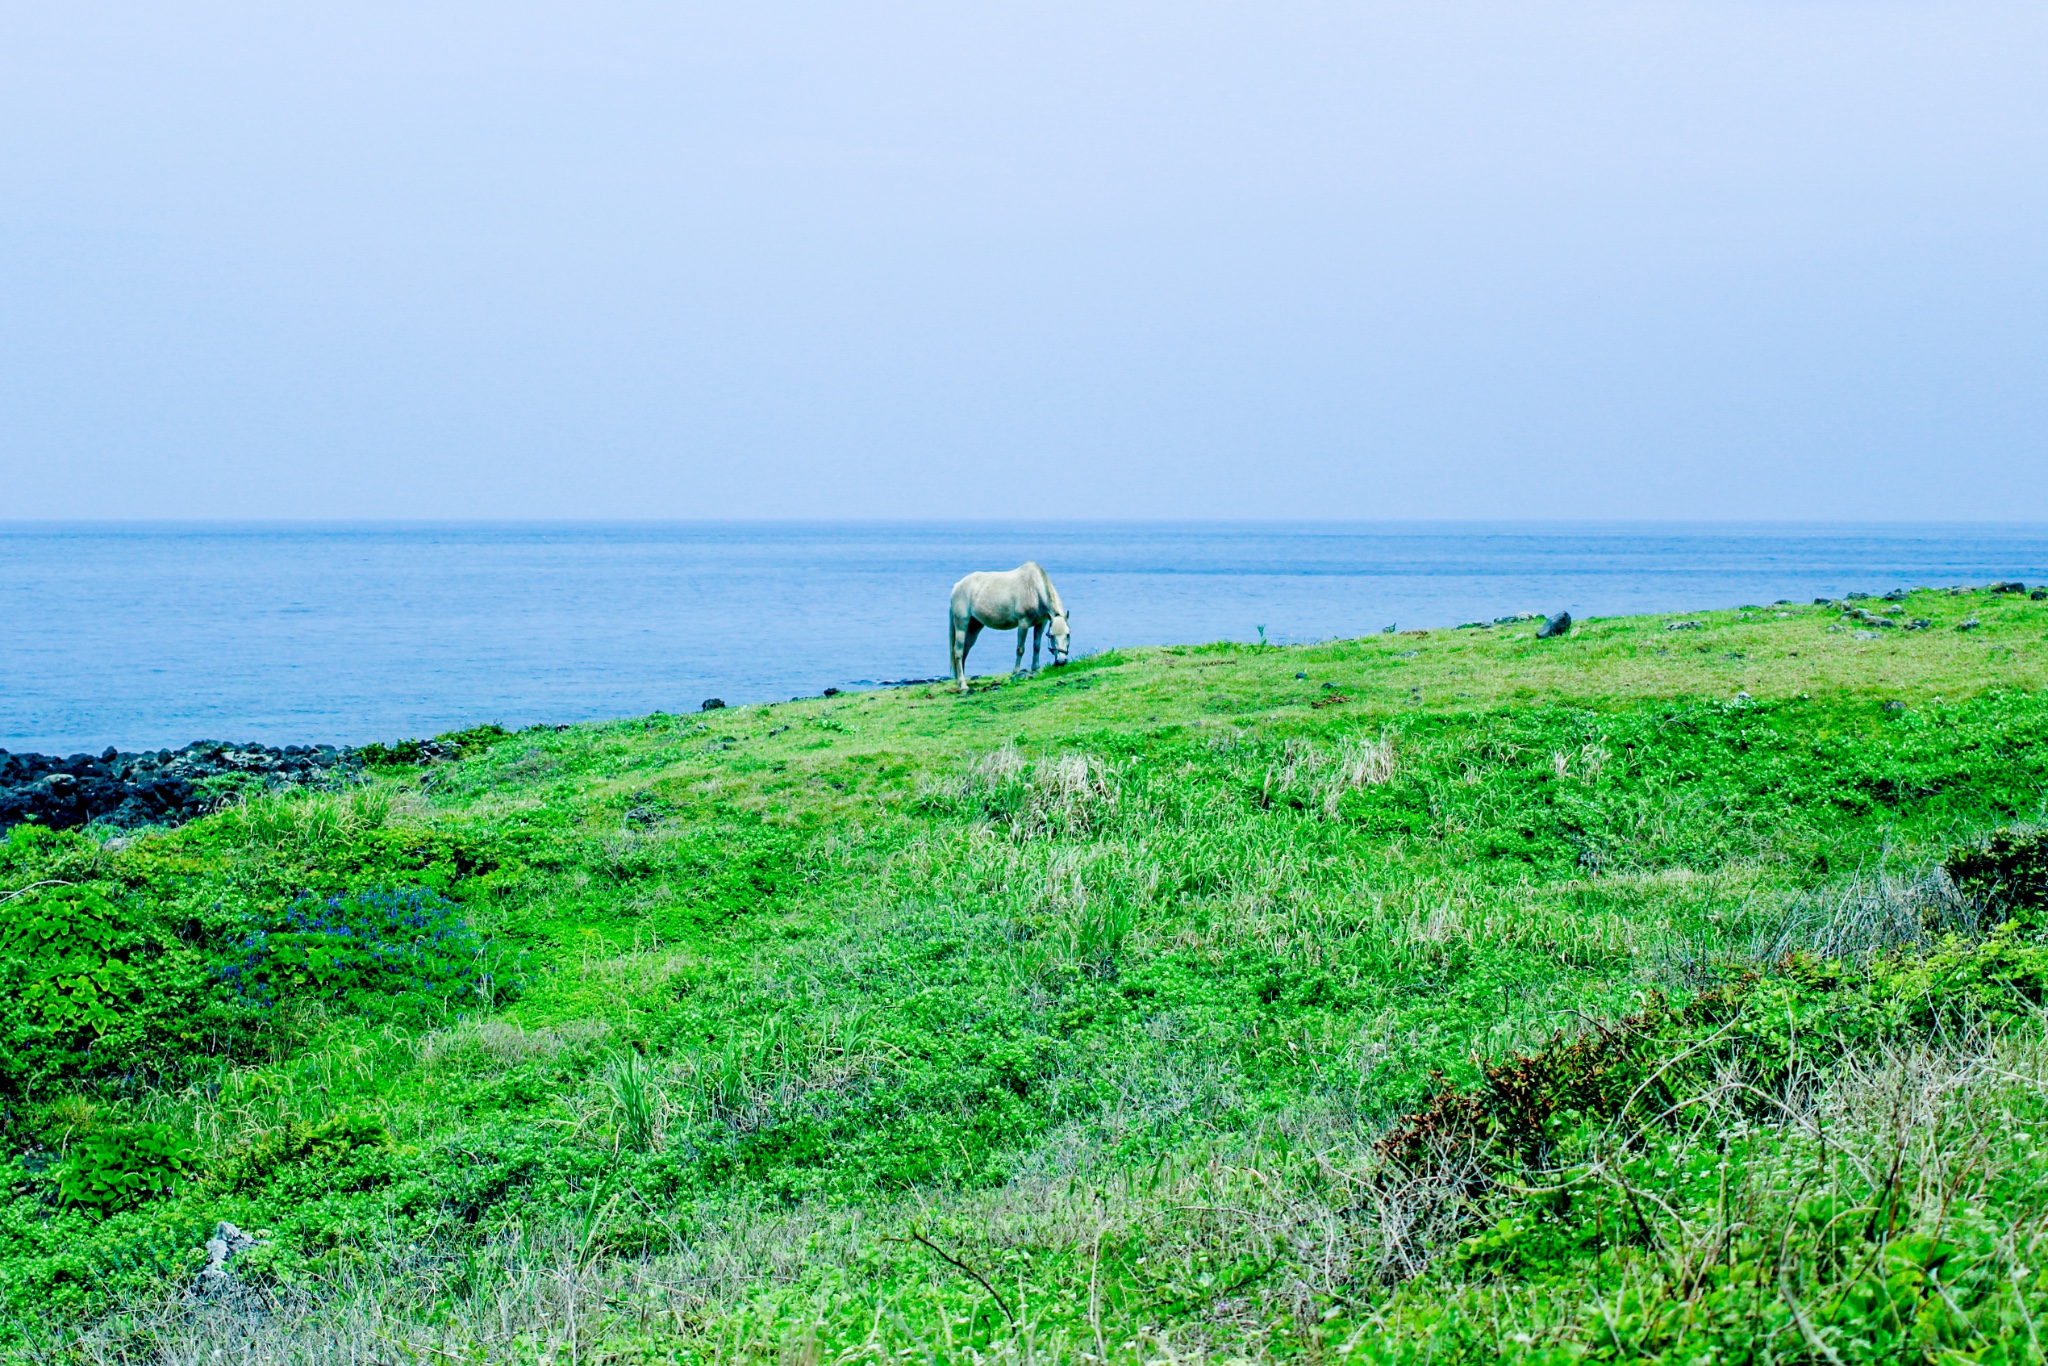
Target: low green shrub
(454, 744)
(119, 1168)
(2008, 869)
(70, 978)
(31, 853)
(296, 1141)
(69, 953)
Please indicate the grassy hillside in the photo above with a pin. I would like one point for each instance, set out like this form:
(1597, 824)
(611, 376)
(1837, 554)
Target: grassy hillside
(1652, 993)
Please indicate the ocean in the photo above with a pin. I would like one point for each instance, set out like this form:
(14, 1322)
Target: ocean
(146, 636)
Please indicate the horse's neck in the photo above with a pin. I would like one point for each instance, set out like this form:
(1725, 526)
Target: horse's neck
(1050, 594)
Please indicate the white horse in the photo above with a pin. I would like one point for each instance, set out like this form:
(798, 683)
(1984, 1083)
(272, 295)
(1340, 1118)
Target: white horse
(1022, 597)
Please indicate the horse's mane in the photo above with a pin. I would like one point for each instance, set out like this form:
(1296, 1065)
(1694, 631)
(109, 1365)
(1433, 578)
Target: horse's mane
(1059, 609)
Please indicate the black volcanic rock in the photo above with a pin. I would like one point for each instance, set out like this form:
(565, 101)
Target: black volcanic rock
(164, 787)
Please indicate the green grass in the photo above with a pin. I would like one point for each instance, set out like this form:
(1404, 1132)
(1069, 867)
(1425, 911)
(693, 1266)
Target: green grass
(1077, 1018)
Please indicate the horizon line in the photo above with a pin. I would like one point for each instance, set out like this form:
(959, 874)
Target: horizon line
(350, 523)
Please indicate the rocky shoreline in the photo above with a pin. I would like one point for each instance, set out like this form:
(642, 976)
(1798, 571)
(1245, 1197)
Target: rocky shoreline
(160, 787)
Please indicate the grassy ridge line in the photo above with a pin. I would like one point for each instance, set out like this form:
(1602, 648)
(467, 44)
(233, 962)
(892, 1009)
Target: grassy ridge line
(1770, 653)
(853, 965)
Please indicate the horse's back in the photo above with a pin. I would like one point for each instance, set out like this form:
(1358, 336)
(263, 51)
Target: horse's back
(968, 592)
(1001, 598)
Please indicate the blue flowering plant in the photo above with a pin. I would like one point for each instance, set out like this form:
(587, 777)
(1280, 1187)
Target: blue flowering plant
(380, 952)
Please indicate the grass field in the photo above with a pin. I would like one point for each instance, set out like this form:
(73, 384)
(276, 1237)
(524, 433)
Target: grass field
(1650, 994)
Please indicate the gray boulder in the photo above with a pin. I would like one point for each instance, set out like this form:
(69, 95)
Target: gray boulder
(1553, 627)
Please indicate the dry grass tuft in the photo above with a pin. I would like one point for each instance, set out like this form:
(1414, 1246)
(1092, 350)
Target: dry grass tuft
(1316, 777)
(505, 1041)
(1072, 795)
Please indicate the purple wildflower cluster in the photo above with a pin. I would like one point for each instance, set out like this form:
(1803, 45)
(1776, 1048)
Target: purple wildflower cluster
(359, 947)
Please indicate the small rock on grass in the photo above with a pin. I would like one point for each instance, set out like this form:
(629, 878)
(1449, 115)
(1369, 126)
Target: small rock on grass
(1685, 625)
(718, 703)
(221, 1248)
(1553, 627)
(1969, 625)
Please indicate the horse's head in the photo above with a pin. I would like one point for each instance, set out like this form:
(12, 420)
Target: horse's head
(1056, 627)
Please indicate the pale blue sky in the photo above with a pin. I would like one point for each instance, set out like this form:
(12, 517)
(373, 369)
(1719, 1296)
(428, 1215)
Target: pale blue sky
(1092, 260)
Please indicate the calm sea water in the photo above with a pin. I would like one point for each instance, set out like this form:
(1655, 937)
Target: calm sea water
(147, 636)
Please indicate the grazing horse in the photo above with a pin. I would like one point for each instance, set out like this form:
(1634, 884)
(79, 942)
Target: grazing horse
(1022, 597)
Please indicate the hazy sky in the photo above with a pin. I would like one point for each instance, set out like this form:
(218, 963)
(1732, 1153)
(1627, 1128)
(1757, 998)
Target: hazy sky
(1440, 259)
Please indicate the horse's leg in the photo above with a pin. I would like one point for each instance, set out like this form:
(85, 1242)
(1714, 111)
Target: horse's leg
(966, 644)
(956, 647)
(1037, 635)
(1018, 667)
